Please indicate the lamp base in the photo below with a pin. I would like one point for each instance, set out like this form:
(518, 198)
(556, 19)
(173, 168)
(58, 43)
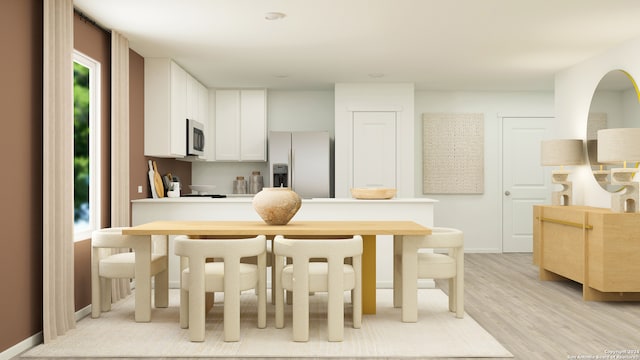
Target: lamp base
(561, 197)
(601, 176)
(626, 200)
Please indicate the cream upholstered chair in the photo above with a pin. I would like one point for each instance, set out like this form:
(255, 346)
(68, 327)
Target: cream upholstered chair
(332, 276)
(107, 265)
(422, 265)
(228, 275)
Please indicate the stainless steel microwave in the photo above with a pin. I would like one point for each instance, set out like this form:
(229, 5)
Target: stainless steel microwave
(195, 138)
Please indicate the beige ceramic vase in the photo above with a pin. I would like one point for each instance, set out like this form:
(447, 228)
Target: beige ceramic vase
(277, 205)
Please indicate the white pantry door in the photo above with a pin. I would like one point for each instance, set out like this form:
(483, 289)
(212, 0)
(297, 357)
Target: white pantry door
(525, 182)
(374, 149)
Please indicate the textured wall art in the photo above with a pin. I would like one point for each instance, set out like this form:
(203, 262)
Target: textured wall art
(453, 153)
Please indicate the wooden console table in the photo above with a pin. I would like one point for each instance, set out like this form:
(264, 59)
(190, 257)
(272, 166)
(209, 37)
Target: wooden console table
(593, 246)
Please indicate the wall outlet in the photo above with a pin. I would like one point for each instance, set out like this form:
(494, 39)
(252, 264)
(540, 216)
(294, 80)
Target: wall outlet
(139, 189)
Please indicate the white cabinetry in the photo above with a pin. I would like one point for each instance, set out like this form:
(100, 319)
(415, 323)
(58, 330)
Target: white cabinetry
(240, 125)
(171, 97)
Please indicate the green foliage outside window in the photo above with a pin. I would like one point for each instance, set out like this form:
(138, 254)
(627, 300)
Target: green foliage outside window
(81, 143)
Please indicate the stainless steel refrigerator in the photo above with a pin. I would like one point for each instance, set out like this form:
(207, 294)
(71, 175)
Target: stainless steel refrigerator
(300, 160)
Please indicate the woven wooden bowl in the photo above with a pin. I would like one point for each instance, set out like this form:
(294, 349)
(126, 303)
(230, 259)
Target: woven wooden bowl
(373, 193)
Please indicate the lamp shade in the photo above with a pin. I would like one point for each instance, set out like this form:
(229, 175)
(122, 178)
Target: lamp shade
(562, 152)
(619, 145)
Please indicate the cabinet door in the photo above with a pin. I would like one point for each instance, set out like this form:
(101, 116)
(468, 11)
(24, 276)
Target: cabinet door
(374, 149)
(253, 125)
(178, 110)
(192, 98)
(227, 125)
(203, 117)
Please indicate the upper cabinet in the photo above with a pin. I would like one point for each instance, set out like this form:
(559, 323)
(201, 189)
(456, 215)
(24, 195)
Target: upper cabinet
(171, 97)
(241, 125)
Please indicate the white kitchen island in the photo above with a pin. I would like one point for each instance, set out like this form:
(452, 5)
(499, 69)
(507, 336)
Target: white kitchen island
(419, 210)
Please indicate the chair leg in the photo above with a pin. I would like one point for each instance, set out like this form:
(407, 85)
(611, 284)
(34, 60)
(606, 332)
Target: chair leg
(232, 300)
(335, 311)
(279, 292)
(161, 289)
(409, 283)
(262, 291)
(184, 309)
(356, 293)
(459, 284)
(105, 294)
(301, 301)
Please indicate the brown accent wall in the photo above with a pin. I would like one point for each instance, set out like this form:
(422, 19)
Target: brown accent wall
(21, 142)
(21, 146)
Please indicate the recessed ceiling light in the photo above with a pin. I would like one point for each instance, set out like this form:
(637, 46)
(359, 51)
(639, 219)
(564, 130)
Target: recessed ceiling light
(274, 16)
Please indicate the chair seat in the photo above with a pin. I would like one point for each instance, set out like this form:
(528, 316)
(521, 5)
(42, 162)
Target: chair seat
(318, 277)
(436, 266)
(123, 265)
(214, 276)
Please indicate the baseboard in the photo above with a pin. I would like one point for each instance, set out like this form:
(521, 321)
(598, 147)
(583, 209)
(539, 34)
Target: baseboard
(22, 346)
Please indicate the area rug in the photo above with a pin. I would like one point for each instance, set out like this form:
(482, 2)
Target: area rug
(438, 333)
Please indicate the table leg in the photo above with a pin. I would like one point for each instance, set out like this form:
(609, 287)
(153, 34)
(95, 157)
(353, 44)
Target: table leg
(369, 274)
(397, 271)
(143, 281)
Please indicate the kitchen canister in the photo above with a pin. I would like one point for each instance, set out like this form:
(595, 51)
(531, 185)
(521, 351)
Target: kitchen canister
(256, 182)
(239, 185)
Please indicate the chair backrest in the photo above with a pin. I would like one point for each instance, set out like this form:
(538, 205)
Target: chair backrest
(219, 248)
(440, 237)
(318, 248)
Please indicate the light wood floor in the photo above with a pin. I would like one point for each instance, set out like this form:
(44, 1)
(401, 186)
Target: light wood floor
(536, 319)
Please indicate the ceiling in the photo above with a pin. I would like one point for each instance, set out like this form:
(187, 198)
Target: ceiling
(463, 45)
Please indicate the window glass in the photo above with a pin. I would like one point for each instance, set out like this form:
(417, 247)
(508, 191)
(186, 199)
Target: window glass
(85, 150)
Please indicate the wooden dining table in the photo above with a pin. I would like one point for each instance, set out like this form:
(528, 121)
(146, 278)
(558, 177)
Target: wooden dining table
(219, 229)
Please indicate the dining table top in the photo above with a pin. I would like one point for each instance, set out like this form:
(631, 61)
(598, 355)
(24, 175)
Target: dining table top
(252, 228)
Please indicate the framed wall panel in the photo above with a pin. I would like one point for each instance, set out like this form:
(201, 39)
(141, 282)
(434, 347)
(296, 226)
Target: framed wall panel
(453, 153)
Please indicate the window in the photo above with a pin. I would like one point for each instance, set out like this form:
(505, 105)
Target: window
(86, 149)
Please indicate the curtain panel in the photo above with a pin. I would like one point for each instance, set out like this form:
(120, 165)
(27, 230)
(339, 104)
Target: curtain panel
(119, 145)
(57, 237)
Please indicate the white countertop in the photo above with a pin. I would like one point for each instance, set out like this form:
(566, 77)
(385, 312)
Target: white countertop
(244, 199)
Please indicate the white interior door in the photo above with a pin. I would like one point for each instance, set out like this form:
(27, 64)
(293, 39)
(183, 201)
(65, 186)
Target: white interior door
(374, 149)
(525, 182)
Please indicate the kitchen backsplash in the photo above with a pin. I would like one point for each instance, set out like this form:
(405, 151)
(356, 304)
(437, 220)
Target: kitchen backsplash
(222, 174)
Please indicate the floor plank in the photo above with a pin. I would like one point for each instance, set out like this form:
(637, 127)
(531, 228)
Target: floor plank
(536, 319)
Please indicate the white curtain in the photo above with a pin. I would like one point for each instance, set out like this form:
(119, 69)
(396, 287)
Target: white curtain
(119, 144)
(57, 159)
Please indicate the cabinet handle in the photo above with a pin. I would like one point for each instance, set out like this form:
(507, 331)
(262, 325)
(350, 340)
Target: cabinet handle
(567, 223)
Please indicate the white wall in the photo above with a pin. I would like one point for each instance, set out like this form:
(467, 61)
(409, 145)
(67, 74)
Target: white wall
(479, 216)
(574, 89)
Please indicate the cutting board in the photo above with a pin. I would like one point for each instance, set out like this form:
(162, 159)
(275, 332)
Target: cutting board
(152, 186)
(157, 181)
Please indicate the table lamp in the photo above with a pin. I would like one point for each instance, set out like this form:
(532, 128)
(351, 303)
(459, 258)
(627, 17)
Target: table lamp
(561, 153)
(620, 146)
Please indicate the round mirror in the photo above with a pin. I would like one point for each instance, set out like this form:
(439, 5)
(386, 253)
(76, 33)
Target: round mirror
(615, 104)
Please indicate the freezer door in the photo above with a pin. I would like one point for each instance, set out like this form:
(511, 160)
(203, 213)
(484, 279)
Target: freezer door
(309, 168)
